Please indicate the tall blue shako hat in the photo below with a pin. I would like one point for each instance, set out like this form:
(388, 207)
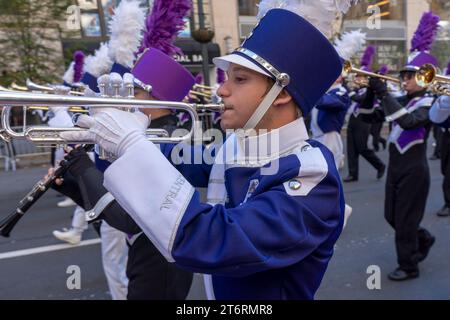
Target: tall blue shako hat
(290, 45)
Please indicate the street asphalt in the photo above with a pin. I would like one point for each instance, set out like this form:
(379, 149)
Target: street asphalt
(34, 264)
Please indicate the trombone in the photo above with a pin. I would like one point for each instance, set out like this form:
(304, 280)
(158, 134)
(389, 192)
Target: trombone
(348, 69)
(51, 136)
(428, 77)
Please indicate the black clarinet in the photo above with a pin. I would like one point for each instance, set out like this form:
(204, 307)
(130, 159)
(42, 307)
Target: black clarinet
(41, 187)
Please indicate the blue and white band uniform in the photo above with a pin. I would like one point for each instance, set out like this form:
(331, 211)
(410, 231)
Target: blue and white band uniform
(281, 254)
(327, 120)
(440, 112)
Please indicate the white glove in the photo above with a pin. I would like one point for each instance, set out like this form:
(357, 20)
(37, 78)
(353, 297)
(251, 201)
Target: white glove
(61, 118)
(114, 130)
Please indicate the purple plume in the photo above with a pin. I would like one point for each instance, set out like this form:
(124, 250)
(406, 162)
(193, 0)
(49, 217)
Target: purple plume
(447, 72)
(198, 78)
(163, 25)
(383, 69)
(425, 33)
(220, 76)
(78, 57)
(367, 57)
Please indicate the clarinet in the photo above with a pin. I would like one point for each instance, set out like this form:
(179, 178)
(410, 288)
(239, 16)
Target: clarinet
(41, 187)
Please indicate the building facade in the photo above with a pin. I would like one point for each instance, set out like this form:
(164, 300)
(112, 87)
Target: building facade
(398, 19)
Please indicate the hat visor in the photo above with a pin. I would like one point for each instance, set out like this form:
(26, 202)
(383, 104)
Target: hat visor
(409, 68)
(225, 61)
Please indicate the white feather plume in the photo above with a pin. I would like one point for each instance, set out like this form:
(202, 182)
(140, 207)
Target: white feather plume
(350, 43)
(100, 63)
(126, 28)
(68, 75)
(320, 13)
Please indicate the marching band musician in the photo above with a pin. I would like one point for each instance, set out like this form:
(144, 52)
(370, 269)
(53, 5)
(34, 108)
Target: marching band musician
(327, 120)
(358, 130)
(270, 224)
(376, 127)
(158, 77)
(408, 178)
(327, 117)
(440, 115)
(150, 275)
(62, 118)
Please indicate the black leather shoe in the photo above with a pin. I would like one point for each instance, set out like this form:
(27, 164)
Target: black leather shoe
(444, 212)
(380, 172)
(425, 247)
(400, 275)
(350, 179)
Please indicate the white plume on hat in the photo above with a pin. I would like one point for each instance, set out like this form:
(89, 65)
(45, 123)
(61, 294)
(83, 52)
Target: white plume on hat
(68, 75)
(350, 43)
(100, 63)
(320, 13)
(126, 28)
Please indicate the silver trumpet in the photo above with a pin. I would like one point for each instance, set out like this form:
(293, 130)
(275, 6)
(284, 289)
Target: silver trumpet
(47, 136)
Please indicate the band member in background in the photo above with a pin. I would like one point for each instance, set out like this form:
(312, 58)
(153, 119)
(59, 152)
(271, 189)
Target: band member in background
(158, 77)
(408, 178)
(358, 130)
(439, 114)
(270, 224)
(376, 127)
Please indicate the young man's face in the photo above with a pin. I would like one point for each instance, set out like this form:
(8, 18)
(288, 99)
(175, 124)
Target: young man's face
(241, 93)
(409, 84)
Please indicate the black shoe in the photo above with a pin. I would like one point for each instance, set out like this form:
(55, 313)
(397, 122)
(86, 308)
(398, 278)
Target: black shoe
(400, 275)
(425, 247)
(380, 172)
(350, 179)
(444, 212)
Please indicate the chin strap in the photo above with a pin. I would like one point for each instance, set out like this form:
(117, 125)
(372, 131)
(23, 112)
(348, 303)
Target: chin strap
(282, 81)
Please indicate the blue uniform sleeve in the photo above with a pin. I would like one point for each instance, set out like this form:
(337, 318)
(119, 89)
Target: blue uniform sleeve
(271, 230)
(440, 112)
(189, 161)
(334, 102)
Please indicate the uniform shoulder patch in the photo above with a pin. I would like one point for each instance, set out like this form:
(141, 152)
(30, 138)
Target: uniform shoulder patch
(313, 169)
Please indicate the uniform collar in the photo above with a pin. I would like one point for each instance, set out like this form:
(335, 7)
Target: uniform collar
(273, 143)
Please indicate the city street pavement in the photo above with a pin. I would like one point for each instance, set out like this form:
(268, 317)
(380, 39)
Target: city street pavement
(367, 241)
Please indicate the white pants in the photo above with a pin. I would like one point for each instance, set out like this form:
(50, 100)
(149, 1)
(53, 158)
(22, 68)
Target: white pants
(333, 141)
(79, 222)
(114, 257)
